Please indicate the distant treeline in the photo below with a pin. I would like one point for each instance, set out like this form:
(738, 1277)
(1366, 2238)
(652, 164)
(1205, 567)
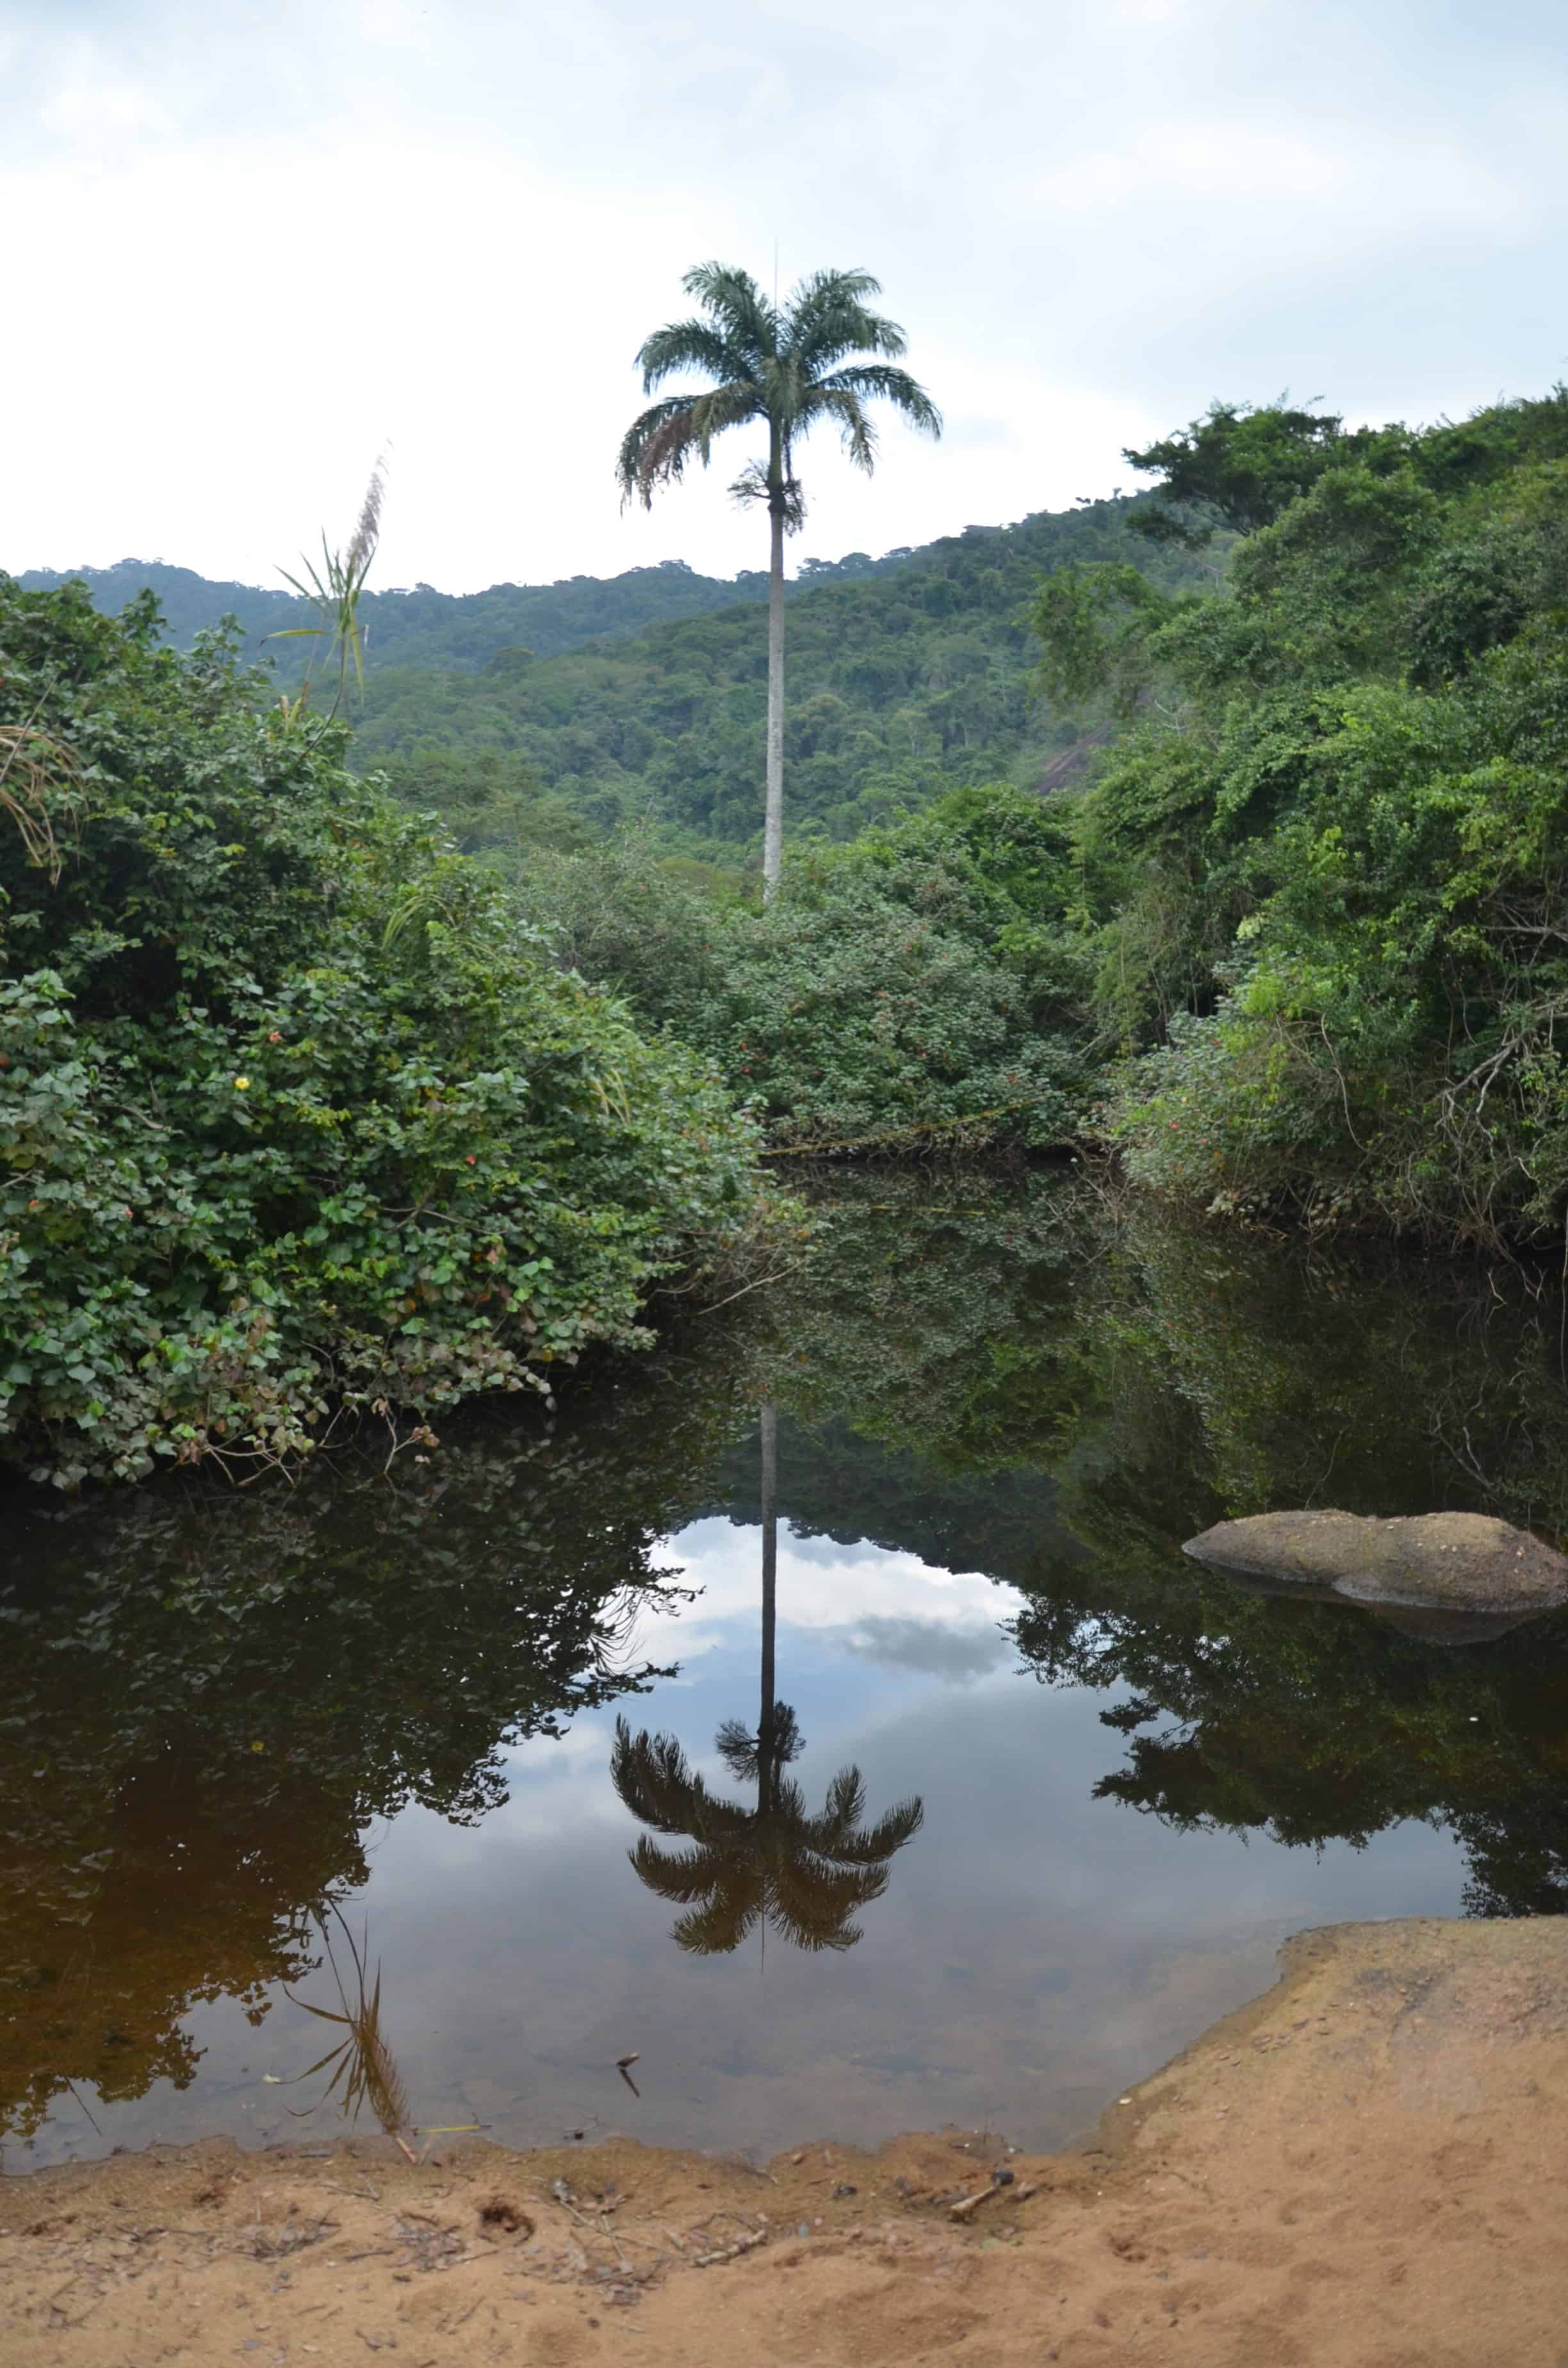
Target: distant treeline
(919, 678)
(532, 714)
(454, 631)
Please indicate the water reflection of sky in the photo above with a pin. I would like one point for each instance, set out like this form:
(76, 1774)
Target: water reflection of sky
(1036, 1949)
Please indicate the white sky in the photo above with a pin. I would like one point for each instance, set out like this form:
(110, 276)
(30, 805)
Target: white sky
(246, 246)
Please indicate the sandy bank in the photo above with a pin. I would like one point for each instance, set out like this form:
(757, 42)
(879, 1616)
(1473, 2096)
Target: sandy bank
(1365, 2165)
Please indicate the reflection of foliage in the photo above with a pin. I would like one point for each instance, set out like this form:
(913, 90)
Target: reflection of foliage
(1020, 1380)
(1222, 1376)
(363, 2065)
(840, 1484)
(225, 1691)
(775, 1863)
(926, 1294)
(999, 1375)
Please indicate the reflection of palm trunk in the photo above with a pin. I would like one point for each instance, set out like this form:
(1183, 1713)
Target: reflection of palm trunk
(774, 1864)
(769, 1601)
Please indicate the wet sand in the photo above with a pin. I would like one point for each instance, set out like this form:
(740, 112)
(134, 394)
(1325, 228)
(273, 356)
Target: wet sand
(1363, 2169)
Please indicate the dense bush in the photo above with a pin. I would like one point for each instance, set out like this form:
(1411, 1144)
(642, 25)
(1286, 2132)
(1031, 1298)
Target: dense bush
(925, 983)
(1331, 850)
(293, 1112)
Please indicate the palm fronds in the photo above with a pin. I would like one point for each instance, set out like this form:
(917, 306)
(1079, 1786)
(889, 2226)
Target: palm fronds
(691, 345)
(659, 442)
(732, 299)
(651, 1774)
(748, 1867)
(334, 590)
(781, 365)
(875, 381)
(830, 319)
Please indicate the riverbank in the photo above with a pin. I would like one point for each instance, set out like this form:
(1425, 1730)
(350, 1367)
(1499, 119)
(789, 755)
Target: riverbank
(1362, 2166)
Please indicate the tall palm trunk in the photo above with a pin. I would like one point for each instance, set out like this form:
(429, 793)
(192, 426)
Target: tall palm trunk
(765, 1732)
(795, 365)
(773, 814)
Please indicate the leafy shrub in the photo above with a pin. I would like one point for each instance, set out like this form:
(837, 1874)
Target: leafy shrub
(923, 982)
(1329, 854)
(293, 1112)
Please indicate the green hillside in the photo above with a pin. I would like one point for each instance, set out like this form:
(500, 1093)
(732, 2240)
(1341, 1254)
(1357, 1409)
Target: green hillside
(914, 678)
(457, 630)
(531, 715)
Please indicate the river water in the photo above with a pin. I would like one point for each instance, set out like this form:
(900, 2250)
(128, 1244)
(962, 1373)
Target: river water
(263, 1750)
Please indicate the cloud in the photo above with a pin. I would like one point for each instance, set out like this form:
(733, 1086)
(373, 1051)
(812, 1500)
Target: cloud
(955, 1655)
(825, 1590)
(261, 242)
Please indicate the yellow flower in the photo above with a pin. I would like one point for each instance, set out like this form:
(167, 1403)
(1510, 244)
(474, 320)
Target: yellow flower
(241, 1083)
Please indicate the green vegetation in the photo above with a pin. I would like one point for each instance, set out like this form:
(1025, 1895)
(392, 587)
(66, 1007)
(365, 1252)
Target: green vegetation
(1310, 896)
(1328, 853)
(334, 592)
(1296, 926)
(591, 709)
(788, 369)
(451, 632)
(923, 978)
(292, 1113)
(904, 682)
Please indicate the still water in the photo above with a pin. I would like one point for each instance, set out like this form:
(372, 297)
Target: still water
(1097, 1786)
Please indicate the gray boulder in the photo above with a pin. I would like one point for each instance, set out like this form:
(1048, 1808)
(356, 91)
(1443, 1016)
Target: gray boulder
(1453, 1564)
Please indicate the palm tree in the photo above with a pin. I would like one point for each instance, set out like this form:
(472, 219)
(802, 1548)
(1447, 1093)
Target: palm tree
(787, 367)
(333, 593)
(774, 1864)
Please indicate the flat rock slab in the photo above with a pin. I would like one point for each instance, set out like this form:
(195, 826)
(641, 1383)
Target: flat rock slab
(1437, 1562)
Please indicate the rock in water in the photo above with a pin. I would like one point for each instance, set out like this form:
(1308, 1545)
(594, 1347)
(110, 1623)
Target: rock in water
(1440, 1561)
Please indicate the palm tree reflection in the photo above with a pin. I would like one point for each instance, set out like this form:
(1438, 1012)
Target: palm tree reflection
(776, 1863)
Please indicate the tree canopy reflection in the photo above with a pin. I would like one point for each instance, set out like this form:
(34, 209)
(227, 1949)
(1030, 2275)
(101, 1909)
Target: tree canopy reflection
(775, 1863)
(207, 1700)
(1027, 1380)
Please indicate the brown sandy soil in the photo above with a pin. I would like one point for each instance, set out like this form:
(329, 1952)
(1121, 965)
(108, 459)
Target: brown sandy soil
(1364, 2169)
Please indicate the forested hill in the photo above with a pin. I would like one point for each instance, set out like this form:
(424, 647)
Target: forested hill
(461, 632)
(915, 678)
(543, 713)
